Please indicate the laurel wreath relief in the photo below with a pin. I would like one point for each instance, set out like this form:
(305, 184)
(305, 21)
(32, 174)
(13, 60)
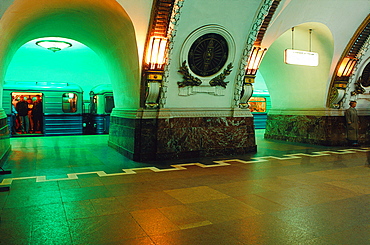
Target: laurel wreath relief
(190, 80)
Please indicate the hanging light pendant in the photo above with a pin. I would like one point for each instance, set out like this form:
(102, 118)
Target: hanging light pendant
(54, 45)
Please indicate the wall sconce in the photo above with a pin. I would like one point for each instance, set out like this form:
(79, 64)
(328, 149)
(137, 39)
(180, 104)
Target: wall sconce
(155, 60)
(53, 45)
(341, 80)
(346, 67)
(254, 62)
(155, 57)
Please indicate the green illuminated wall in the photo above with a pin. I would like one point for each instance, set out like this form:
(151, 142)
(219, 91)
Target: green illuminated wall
(102, 25)
(78, 64)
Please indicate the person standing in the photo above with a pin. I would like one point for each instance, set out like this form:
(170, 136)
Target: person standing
(30, 116)
(352, 124)
(37, 113)
(22, 109)
(13, 119)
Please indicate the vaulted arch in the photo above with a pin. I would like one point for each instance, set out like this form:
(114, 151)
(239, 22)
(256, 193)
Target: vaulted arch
(295, 86)
(102, 25)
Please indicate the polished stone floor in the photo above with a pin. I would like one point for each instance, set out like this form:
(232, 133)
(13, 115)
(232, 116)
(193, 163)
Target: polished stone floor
(76, 190)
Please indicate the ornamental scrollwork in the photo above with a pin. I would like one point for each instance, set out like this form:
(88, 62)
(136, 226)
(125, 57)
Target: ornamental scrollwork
(188, 79)
(358, 89)
(262, 12)
(220, 79)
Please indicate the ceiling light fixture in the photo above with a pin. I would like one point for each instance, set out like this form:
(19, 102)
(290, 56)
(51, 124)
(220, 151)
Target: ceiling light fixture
(53, 45)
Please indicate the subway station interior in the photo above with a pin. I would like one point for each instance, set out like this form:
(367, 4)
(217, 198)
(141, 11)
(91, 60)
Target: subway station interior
(184, 122)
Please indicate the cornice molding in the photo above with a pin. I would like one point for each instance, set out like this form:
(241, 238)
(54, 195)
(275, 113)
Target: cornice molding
(180, 113)
(262, 13)
(315, 112)
(355, 48)
(354, 79)
(171, 34)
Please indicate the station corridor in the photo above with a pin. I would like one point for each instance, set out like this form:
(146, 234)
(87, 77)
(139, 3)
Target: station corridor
(77, 190)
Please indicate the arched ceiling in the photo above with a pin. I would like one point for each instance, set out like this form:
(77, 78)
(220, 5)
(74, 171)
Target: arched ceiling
(77, 64)
(98, 24)
(305, 85)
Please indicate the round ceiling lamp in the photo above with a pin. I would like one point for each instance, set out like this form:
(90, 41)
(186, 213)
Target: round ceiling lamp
(54, 45)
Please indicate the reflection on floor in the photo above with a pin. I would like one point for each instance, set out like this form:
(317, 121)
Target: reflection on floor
(76, 190)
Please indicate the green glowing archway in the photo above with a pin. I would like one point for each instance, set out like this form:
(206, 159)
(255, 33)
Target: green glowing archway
(102, 25)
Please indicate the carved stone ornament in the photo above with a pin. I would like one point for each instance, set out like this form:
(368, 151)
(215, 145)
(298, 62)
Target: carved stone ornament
(365, 77)
(152, 95)
(189, 80)
(205, 89)
(336, 96)
(208, 54)
(246, 95)
(262, 13)
(358, 89)
(220, 79)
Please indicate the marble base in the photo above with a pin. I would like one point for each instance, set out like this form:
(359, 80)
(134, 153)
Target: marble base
(180, 138)
(319, 130)
(5, 147)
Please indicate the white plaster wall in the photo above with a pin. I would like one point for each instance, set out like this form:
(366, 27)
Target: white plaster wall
(342, 17)
(4, 4)
(236, 17)
(297, 87)
(139, 12)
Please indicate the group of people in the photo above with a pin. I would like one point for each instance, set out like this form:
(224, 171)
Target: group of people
(27, 115)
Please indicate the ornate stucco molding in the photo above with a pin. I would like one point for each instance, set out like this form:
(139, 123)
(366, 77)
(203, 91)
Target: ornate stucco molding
(354, 78)
(355, 50)
(263, 11)
(211, 83)
(171, 36)
(192, 85)
(180, 113)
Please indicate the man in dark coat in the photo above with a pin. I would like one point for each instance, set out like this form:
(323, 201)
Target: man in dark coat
(352, 124)
(37, 113)
(22, 109)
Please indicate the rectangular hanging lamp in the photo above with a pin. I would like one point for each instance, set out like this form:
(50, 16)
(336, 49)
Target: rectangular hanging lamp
(300, 57)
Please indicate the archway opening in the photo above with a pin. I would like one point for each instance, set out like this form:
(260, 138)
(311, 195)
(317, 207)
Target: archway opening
(77, 64)
(35, 69)
(299, 87)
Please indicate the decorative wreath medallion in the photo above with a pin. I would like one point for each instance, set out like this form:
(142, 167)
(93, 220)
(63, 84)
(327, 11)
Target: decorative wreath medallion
(208, 54)
(189, 80)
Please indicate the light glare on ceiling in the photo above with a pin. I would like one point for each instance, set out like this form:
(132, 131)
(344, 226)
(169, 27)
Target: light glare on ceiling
(53, 45)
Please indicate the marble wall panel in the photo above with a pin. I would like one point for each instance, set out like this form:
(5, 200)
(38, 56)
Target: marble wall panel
(320, 130)
(225, 122)
(179, 139)
(122, 135)
(4, 141)
(160, 139)
(180, 122)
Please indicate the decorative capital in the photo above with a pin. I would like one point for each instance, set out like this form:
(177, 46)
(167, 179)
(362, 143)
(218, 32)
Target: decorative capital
(249, 79)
